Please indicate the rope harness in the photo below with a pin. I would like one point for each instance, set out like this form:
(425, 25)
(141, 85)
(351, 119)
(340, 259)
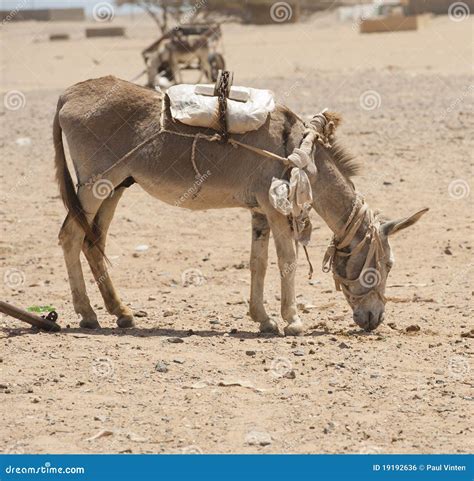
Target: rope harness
(338, 248)
(222, 91)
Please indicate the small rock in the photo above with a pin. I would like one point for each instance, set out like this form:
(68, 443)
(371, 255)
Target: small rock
(258, 438)
(175, 340)
(329, 428)
(136, 438)
(140, 313)
(448, 251)
(250, 353)
(469, 334)
(161, 366)
(392, 325)
(101, 434)
(298, 352)
(142, 248)
(214, 321)
(290, 374)
(23, 141)
(305, 306)
(343, 345)
(178, 361)
(413, 328)
(168, 313)
(36, 400)
(100, 418)
(152, 298)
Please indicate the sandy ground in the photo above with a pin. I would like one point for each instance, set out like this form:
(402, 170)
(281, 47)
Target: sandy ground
(407, 103)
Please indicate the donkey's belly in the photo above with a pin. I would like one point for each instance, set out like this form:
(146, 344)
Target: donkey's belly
(196, 195)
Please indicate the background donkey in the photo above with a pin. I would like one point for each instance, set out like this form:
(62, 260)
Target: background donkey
(106, 118)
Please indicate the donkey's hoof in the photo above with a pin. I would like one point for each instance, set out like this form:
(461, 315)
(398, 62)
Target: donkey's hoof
(269, 327)
(125, 321)
(294, 329)
(89, 324)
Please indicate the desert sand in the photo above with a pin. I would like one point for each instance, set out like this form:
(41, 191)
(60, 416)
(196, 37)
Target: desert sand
(406, 99)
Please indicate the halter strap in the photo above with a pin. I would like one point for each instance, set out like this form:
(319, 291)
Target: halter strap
(360, 211)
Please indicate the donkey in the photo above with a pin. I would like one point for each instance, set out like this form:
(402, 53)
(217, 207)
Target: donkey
(107, 118)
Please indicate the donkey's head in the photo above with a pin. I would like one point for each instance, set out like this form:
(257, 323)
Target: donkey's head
(361, 261)
(359, 255)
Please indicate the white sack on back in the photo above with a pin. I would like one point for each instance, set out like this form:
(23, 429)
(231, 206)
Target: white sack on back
(202, 111)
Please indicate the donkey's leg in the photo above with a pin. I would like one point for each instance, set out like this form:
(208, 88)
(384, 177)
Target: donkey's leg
(174, 64)
(205, 65)
(286, 252)
(152, 69)
(97, 263)
(71, 238)
(258, 268)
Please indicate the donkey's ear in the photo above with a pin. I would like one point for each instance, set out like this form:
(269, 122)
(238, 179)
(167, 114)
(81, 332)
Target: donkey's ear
(394, 226)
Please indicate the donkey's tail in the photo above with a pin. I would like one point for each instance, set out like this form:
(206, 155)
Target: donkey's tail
(66, 186)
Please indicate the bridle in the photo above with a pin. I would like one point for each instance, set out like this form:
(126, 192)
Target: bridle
(360, 212)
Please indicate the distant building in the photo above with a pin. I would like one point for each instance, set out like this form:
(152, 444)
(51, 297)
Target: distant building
(42, 15)
(440, 7)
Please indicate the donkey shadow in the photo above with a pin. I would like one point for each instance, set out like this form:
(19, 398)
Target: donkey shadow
(136, 332)
(175, 333)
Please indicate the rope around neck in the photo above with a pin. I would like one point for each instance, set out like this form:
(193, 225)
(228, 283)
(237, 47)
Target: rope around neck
(372, 235)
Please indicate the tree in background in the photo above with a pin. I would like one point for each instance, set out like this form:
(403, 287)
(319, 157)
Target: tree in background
(162, 11)
(247, 11)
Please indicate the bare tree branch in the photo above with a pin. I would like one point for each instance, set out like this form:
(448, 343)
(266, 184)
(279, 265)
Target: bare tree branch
(161, 22)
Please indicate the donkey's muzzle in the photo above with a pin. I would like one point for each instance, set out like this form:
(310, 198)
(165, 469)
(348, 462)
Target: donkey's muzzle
(368, 320)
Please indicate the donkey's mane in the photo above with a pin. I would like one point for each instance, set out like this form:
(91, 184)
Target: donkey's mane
(343, 160)
(347, 164)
